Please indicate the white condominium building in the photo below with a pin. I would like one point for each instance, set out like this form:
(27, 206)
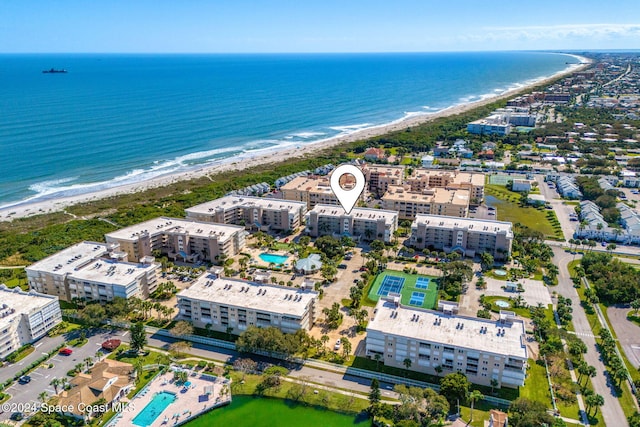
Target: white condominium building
(93, 272)
(237, 304)
(251, 212)
(311, 190)
(179, 239)
(433, 201)
(25, 317)
(465, 235)
(483, 350)
(428, 178)
(363, 223)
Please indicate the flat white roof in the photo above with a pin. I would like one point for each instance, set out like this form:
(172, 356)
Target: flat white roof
(71, 258)
(115, 273)
(312, 184)
(229, 202)
(390, 217)
(15, 302)
(448, 331)
(165, 225)
(253, 296)
(453, 222)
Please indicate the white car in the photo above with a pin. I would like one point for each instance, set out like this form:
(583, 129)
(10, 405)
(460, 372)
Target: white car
(337, 346)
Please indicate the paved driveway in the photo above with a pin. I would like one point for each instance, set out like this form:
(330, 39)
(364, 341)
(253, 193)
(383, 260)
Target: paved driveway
(535, 292)
(27, 394)
(628, 333)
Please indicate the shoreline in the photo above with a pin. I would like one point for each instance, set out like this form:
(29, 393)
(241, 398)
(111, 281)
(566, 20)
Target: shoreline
(46, 205)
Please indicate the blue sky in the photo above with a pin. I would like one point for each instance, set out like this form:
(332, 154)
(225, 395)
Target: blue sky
(315, 26)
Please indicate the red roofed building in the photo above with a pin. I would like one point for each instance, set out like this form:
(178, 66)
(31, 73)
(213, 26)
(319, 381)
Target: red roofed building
(375, 154)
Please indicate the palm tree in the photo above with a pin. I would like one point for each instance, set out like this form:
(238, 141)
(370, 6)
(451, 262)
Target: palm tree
(438, 370)
(474, 396)
(635, 304)
(55, 383)
(377, 359)
(88, 361)
(494, 384)
(42, 397)
(407, 364)
(78, 367)
(324, 340)
(594, 400)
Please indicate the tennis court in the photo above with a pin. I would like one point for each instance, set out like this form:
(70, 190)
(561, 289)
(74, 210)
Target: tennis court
(414, 289)
(417, 299)
(422, 282)
(391, 284)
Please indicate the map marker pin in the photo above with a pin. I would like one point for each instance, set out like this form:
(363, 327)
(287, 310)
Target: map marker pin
(347, 198)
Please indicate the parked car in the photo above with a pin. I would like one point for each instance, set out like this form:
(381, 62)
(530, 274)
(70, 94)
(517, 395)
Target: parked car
(342, 266)
(337, 346)
(65, 351)
(25, 379)
(17, 416)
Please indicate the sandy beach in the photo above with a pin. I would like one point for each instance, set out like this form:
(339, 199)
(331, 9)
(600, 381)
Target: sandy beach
(248, 160)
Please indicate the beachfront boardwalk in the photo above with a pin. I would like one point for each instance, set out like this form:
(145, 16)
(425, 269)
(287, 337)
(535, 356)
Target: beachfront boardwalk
(168, 402)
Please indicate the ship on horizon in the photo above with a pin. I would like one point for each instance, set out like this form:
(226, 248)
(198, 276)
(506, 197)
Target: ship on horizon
(54, 71)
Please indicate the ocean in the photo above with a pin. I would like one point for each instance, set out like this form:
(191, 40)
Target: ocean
(120, 119)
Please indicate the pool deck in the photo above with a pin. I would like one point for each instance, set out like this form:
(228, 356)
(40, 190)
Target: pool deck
(190, 402)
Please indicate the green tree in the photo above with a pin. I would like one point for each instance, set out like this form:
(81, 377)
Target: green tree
(486, 261)
(374, 393)
(93, 315)
(182, 328)
(474, 397)
(594, 401)
(138, 336)
(454, 387)
(635, 305)
(528, 413)
(346, 346)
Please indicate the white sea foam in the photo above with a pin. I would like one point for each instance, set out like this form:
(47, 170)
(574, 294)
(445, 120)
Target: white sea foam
(351, 128)
(307, 135)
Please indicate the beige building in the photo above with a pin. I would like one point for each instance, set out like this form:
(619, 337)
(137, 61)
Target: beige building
(468, 236)
(25, 318)
(431, 201)
(252, 212)
(93, 272)
(179, 239)
(429, 178)
(380, 177)
(363, 223)
(108, 379)
(481, 349)
(237, 304)
(311, 190)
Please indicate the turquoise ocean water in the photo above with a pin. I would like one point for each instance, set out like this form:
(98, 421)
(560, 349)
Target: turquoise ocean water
(119, 119)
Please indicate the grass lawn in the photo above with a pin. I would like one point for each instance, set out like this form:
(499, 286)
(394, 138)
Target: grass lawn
(536, 386)
(21, 354)
(520, 311)
(509, 209)
(408, 288)
(326, 399)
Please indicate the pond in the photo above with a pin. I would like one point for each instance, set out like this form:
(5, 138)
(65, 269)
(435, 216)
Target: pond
(502, 303)
(248, 411)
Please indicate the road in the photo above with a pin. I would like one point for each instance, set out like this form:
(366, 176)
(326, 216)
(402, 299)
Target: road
(627, 332)
(328, 378)
(602, 384)
(562, 211)
(27, 394)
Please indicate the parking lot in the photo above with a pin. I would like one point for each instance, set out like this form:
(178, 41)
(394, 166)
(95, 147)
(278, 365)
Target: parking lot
(26, 395)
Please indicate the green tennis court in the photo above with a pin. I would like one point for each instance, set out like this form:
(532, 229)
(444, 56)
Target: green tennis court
(415, 289)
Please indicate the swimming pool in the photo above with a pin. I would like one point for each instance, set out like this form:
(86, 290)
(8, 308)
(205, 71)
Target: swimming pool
(500, 273)
(273, 258)
(158, 404)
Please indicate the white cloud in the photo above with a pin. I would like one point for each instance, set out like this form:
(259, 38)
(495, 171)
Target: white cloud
(559, 32)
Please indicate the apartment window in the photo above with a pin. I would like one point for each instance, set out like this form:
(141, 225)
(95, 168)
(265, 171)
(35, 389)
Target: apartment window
(496, 365)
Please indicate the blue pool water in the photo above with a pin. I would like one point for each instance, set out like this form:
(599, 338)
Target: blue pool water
(149, 413)
(500, 272)
(273, 258)
(503, 304)
(178, 112)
